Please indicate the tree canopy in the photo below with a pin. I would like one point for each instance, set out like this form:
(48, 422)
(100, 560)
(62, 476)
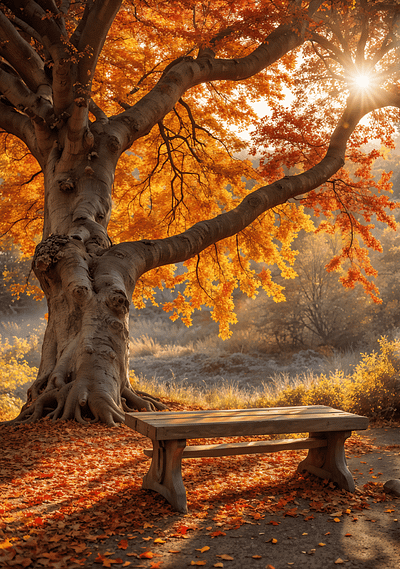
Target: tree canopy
(123, 135)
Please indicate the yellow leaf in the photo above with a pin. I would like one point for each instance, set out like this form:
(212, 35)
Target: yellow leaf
(159, 540)
(322, 544)
(203, 549)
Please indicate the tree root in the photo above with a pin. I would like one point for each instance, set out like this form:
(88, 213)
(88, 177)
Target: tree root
(140, 401)
(73, 401)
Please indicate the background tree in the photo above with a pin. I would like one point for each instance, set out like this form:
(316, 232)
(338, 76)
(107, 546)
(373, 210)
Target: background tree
(318, 311)
(83, 83)
(19, 291)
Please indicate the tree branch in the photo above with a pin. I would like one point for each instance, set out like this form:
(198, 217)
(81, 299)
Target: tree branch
(34, 105)
(188, 72)
(20, 126)
(148, 254)
(92, 37)
(17, 52)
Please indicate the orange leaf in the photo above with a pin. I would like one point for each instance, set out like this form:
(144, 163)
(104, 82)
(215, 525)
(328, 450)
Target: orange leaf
(226, 557)
(146, 555)
(123, 544)
(203, 549)
(217, 533)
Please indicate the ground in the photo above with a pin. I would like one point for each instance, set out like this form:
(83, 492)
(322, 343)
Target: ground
(72, 498)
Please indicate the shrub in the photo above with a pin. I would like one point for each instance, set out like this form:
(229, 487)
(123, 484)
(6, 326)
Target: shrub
(15, 376)
(374, 387)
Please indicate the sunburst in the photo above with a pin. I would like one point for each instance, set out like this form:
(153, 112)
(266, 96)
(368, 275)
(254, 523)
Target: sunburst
(363, 81)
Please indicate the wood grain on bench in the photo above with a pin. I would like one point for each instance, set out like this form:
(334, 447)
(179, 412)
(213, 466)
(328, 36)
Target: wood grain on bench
(243, 422)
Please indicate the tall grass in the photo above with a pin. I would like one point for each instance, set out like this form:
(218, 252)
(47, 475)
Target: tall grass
(372, 389)
(368, 383)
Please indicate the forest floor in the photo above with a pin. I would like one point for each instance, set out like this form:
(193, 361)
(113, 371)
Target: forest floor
(72, 497)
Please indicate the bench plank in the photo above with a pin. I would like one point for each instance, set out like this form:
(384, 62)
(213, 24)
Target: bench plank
(242, 422)
(253, 447)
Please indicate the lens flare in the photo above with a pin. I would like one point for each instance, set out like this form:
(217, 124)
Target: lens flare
(362, 81)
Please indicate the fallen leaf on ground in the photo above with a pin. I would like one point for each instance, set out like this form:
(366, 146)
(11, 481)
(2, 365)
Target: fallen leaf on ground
(203, 549)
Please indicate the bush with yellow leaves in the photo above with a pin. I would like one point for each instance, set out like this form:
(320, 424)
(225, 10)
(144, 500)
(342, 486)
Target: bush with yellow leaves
(374, 387)
(15, 375)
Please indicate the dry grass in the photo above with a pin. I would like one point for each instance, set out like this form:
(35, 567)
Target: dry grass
(370, 386)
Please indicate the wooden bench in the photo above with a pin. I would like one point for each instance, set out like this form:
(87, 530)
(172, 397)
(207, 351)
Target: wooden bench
(328, 429)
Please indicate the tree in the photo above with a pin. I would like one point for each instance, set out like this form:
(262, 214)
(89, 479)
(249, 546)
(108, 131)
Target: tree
(18, 292)
(318, 311)
(120, 122)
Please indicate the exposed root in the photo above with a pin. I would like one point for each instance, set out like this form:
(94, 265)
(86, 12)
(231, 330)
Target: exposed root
(140, 401)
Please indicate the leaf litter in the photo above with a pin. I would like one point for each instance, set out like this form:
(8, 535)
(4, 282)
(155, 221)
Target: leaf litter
(66, 489)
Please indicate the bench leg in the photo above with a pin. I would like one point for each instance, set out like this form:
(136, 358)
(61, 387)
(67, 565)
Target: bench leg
(165, 474)
(330, 462)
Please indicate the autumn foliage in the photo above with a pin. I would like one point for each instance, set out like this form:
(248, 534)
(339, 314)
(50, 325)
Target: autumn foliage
(122, 145)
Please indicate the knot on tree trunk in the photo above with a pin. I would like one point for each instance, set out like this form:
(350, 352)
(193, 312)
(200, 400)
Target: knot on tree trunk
(49, 252)
(118, 301)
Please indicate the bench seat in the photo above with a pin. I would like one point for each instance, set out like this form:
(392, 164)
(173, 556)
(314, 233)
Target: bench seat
(328, 429)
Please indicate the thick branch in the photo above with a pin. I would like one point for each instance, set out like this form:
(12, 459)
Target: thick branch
(18, 52)
(188, 72)
(19, 125)
(93, 35)
(146, 255)
(34, 105)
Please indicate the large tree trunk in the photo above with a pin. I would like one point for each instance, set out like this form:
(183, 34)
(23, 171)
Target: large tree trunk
(83, 373)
